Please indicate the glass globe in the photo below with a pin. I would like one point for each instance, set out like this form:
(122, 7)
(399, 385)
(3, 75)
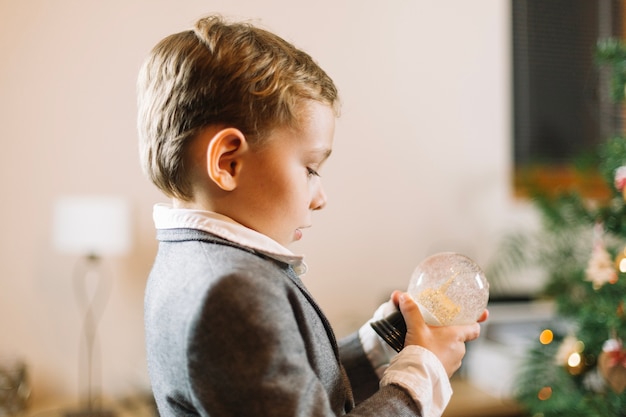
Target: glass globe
(449, 288)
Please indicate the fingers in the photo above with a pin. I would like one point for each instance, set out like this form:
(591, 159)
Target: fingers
(471, 332)
(418, 333)
(446, 342)
(410, 311)
(395, 297)
(483, 317)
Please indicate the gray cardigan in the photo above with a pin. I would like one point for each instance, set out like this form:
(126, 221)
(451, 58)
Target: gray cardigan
(230, 332)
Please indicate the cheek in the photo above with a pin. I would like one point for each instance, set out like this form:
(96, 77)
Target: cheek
(284, 190)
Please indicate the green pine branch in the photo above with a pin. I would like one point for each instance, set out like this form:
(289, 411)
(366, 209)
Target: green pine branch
(562, 248)
(612, 52)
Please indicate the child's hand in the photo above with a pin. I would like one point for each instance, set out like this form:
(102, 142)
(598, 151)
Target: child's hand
(446, 342)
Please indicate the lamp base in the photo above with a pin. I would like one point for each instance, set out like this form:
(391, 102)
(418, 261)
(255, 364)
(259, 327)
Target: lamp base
(392, 329)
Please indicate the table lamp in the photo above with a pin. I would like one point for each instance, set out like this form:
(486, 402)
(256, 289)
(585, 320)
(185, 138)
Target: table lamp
(91, 227)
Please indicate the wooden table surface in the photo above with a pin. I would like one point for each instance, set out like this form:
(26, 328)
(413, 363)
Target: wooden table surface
(470, 401)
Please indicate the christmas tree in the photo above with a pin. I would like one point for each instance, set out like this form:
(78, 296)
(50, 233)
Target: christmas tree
(577, 366)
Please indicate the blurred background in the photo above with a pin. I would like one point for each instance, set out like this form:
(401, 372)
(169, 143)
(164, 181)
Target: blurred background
(422, 160)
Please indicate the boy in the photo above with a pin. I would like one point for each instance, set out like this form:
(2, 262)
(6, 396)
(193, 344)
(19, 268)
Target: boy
(235, 124)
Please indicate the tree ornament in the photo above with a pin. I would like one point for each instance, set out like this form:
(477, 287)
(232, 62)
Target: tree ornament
(620, 180)
(600, 268)
(612, 364)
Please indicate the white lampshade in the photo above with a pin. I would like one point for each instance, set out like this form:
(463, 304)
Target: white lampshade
(92, 225)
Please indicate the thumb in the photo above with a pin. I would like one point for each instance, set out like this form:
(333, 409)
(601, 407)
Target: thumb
(411, 312)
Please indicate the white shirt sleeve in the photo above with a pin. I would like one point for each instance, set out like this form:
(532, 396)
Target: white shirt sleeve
(421, 373)
(377, 350)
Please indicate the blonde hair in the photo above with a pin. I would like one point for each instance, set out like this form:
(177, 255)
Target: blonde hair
(219, 73)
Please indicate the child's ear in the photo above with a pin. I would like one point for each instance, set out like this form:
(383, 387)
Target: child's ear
(224, 157)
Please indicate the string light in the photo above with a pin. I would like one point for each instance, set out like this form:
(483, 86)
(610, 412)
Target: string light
(545, 393)
(574, 360)
(575, 364)
(546, 337)
(620, 261)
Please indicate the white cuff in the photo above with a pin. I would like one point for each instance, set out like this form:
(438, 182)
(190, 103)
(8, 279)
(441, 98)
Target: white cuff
(421, 373)
(376, 349)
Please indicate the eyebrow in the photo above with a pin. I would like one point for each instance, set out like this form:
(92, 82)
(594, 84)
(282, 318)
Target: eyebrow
(324, 153)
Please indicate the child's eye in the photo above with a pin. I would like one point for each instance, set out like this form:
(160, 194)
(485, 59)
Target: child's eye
(312, 172)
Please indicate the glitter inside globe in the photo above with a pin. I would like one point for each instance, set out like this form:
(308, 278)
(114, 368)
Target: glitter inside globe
(449, 288)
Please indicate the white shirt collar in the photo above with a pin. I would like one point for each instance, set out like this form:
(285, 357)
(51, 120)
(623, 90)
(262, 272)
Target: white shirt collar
(167, 217)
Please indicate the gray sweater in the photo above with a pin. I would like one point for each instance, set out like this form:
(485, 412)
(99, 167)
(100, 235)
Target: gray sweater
(230, 332)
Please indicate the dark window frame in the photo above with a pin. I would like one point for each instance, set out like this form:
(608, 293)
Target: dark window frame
(561, 105)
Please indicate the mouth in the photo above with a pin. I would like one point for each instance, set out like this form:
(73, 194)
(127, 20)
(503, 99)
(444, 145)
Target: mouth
(298, 233)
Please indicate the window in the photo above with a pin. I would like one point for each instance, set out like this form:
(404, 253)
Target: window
(561, 100)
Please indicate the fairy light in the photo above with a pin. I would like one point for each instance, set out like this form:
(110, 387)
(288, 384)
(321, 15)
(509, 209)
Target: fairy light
(620, 261)
(574, 360)
(575, 363)
(545, 393)
(546, 337)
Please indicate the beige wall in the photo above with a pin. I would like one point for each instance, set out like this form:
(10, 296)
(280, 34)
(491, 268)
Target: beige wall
(421, 161)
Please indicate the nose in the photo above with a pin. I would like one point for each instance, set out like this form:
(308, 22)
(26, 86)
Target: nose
(318, 201)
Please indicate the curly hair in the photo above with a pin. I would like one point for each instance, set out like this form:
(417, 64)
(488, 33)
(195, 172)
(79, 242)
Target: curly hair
(219, 73)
